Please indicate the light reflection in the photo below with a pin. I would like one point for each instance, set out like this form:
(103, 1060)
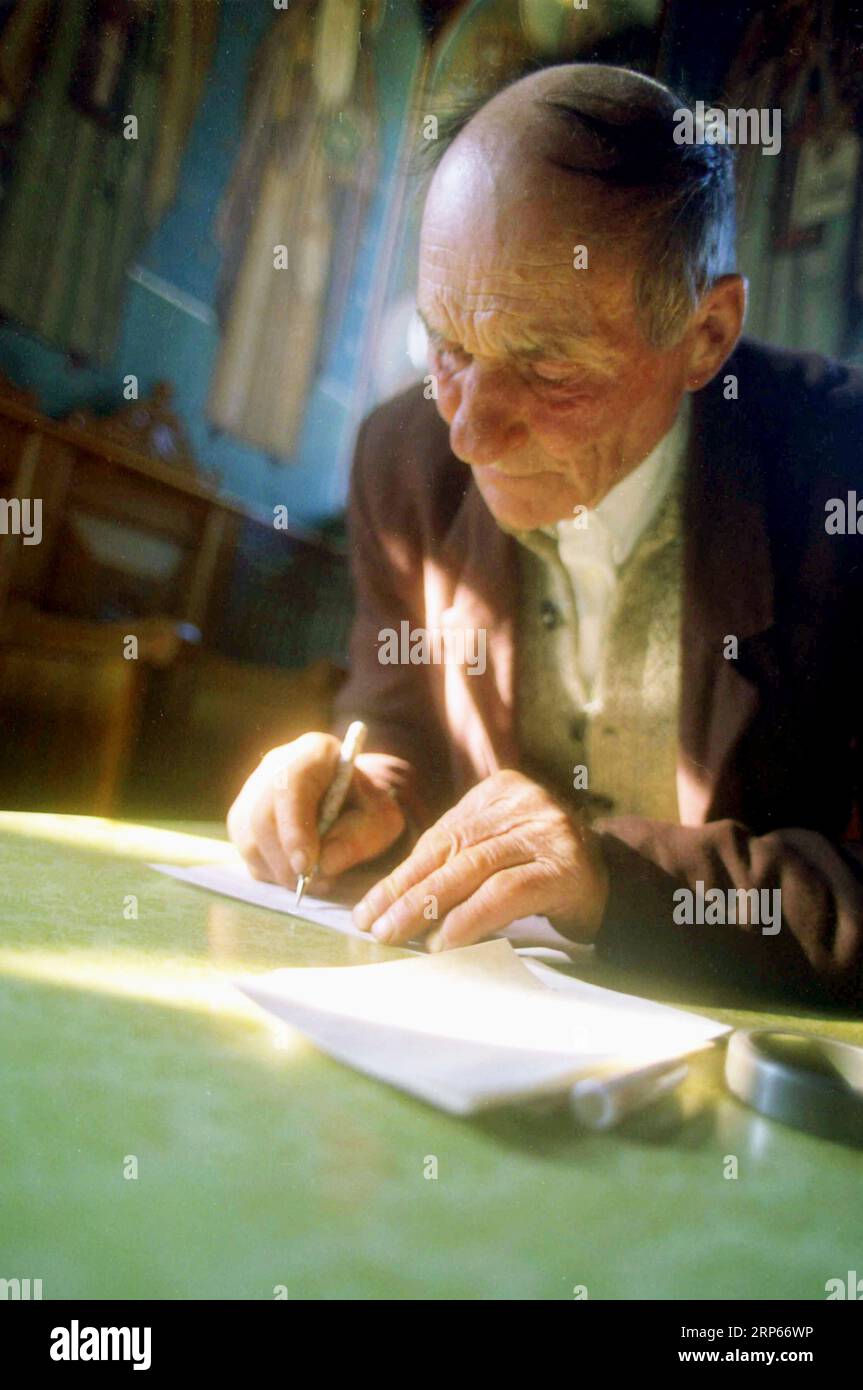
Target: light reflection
(127, 976)
(746, 1133)
(239, 939)
(121, 838)
(693, 794)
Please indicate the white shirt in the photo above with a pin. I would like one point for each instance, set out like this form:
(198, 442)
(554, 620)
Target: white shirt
(594, 546)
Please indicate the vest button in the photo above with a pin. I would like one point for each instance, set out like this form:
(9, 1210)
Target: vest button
(549, 614)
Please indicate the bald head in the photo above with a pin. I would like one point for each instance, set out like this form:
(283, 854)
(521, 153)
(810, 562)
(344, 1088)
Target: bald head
(582, 117)
(593, 144)
(570, 286)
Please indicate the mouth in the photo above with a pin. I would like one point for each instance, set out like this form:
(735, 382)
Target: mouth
(509, 475)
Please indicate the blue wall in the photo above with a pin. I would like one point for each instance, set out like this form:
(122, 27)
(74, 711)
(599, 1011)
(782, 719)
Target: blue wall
(160, 340)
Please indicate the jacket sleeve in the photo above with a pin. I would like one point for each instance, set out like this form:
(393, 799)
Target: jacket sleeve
(394, 700)
(817, 953)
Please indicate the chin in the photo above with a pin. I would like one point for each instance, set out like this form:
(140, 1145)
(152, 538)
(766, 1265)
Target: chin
(519, 518)
(524, 503)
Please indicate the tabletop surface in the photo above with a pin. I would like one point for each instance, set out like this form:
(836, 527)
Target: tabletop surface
(162, 1138)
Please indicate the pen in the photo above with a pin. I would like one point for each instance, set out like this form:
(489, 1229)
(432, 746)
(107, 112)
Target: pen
(334, 800)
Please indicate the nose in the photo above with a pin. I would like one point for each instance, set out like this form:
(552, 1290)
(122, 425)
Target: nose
(487, 424)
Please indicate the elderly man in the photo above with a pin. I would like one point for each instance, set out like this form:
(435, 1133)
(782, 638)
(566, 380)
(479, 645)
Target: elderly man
(608, 642)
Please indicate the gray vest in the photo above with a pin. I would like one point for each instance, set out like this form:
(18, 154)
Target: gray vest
(625, 735)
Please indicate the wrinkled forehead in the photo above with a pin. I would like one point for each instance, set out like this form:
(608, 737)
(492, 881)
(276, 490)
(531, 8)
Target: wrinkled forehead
(499, 240)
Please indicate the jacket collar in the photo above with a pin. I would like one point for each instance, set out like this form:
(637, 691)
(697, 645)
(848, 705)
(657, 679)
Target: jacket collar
(728, 600)
(728, 567)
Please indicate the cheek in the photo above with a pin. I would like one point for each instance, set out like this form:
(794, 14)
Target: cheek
(603, 413)
(554, 425)
(557, 428)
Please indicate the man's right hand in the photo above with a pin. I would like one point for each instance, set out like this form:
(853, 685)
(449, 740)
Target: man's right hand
(273, 821)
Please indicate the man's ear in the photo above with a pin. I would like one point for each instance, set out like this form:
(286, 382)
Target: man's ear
(716, 326)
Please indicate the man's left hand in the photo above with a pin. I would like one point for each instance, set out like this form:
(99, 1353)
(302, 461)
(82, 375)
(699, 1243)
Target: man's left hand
(506, 850)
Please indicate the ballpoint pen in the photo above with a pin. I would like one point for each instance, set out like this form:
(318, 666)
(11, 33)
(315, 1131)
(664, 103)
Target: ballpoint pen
(334, 800)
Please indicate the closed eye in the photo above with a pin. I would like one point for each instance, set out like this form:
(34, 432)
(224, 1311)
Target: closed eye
(555, 383)
(549, 378)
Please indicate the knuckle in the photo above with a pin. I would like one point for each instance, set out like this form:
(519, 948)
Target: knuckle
(446, 842)
(484, 856)
(281, 778)
(313, 744)
(273, 755)
(391, 891)
(495, 892)
(290, 838)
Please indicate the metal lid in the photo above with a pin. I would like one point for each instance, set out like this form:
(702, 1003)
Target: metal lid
(810, 1082)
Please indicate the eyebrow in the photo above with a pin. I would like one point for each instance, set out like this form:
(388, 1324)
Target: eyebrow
(552, 345)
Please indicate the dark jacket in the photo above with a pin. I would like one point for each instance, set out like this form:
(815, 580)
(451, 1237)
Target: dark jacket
(769, 764)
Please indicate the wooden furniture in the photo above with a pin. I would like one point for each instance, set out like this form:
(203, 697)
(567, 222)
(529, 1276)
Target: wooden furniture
(133, 542)
(131, 474)
(70, 704)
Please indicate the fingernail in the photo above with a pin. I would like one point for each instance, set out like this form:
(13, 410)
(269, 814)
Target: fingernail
(299, 861)
(362, 917)
(382, 931)
(435, 943)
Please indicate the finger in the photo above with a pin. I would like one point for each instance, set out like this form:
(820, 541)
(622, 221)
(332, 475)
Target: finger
(426, 903)
(431, 851)
(258, 866)
(501, 899)
(298, 788)
(252, 827)
(264, 843)
(248, 819)
(371, 822)
(359, 836)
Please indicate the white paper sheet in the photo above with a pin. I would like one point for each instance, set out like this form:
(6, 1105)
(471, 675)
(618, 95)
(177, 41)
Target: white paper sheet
(475, 1027)
(534, 934)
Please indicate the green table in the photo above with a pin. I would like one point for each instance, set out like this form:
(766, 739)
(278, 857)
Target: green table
(261, 1163)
